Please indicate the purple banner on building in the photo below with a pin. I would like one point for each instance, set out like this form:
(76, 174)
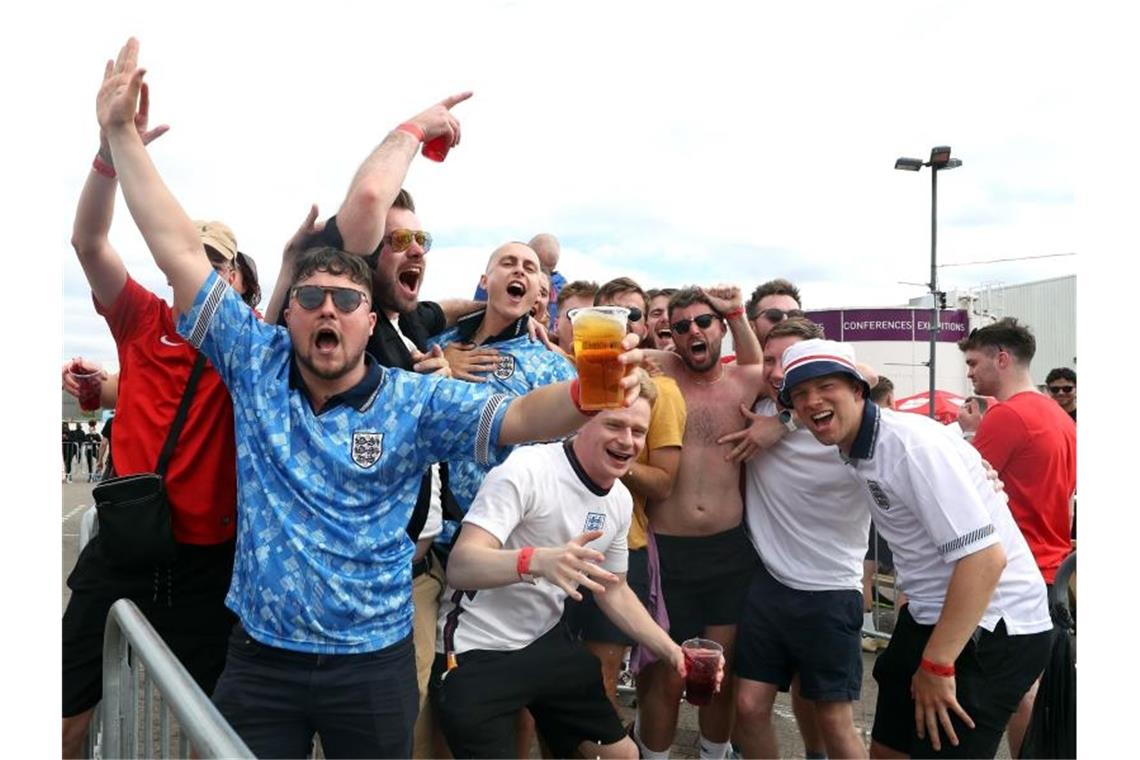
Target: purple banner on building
(890, 324)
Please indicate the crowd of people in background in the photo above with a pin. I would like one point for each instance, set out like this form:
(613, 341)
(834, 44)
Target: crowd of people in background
(398, 528)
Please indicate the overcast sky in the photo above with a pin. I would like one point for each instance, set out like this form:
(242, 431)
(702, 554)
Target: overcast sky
(730, 145)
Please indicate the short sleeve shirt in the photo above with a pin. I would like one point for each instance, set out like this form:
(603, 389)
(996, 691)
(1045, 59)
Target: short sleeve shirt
(523, 366)
(1032, 443)
(154, 367)
(540, 496)
(323, 560)
(931, 500)
(666, 428)
(806, 516)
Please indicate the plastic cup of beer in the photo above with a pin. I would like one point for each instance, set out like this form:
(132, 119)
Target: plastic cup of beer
(702, 661)
(598, 332)
(87, 375)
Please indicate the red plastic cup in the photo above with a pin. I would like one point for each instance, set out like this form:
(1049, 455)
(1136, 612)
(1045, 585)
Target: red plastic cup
(702, 661)
(88, 377)
(436, 149)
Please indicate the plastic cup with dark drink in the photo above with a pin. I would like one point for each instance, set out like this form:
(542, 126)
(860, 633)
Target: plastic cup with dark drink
(702, 661)
(88, 376)
(598, 332)
(436, 149)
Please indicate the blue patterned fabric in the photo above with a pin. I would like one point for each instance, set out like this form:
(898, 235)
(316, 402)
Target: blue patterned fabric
(323, 560)
(523, 366)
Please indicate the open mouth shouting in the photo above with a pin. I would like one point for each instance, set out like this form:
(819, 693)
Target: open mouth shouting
(516, 291)
(409, 279)
(823, 423)
(663, 335)
(326, 340)
(699, 349)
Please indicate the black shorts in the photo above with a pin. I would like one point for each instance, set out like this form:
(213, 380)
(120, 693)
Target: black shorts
(877, 544)
(586, 619)
(993, 673)
(362, 705)
(185, 603)
(784, 631)
(555, 677)
(705, 579)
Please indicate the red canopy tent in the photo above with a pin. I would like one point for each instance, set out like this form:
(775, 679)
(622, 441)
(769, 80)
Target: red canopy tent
(946, 405)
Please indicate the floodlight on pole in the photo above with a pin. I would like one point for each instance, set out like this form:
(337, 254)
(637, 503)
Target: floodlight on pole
(939, 159)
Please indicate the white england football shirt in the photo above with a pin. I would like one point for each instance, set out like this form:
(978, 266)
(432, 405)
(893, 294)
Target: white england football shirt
(806, 517)
(540, 496)
(932, 502)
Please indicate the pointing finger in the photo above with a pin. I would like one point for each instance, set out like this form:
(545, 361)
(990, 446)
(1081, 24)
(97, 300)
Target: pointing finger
(453, 100)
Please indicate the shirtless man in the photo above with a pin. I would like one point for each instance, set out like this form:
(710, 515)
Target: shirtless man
(706, 559)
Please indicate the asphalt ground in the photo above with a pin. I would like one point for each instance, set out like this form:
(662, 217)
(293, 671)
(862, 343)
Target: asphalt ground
(77, 496)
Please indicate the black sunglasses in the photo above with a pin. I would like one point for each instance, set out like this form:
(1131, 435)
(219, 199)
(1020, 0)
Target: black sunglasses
(635, 314)
(310, 297)
(779, 315)
(681, 326)
(1057, 389)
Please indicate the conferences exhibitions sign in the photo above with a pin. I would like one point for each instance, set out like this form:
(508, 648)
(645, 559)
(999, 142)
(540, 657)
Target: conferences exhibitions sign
(890, 324)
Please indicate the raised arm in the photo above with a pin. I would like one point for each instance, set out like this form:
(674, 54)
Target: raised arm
(362, 215)
(548, 413)
(167, 230)
(89, 236)
(726, 300)
(293, 249)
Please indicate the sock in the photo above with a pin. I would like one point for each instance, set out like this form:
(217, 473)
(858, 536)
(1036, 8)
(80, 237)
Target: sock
(868, 621)
(646, 753)
(815, 755)
(713, 750)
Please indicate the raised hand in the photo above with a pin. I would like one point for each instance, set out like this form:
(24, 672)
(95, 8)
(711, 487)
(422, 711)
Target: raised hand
(117, 104)
(631, 357)
(308, 228)
(573, 565)
(141, 121)
(468, 362)
(724, 298)
(438, 119)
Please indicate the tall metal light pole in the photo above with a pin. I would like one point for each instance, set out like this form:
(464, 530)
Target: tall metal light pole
(939, 159)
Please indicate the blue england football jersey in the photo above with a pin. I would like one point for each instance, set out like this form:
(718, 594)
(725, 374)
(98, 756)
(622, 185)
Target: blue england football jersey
(523, 366)
(323, 559)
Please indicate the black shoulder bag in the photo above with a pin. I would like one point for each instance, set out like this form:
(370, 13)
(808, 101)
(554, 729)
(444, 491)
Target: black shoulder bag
(134, 516)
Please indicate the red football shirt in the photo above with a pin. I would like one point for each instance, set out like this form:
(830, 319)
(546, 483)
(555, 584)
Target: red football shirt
(154, 367)
(1032, 443)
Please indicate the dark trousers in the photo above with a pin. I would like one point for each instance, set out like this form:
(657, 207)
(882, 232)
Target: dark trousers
(362, 705)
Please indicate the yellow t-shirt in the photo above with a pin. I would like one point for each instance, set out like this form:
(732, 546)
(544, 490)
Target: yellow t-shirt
(666, 428)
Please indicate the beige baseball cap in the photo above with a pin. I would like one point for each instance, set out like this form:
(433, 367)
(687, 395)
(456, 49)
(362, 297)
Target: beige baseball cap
(219, 237)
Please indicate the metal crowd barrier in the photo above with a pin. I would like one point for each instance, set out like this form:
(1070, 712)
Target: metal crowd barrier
(136, 664)
(144, 681)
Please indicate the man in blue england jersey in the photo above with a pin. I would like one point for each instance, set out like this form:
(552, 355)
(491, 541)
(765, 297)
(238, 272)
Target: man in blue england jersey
(330, 448)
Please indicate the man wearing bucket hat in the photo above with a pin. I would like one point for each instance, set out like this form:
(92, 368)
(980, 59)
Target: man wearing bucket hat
(975, 631)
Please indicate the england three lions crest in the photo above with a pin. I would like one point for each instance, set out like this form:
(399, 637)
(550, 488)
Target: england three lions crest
(367, 448)
(878, 495)
(594, 521)
(505, 367)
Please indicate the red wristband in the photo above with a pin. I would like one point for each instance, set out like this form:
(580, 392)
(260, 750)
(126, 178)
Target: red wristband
(945, 671)
(738, 311)
(412, 130)
(523, 563)
(102, 167)
(576, 398)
